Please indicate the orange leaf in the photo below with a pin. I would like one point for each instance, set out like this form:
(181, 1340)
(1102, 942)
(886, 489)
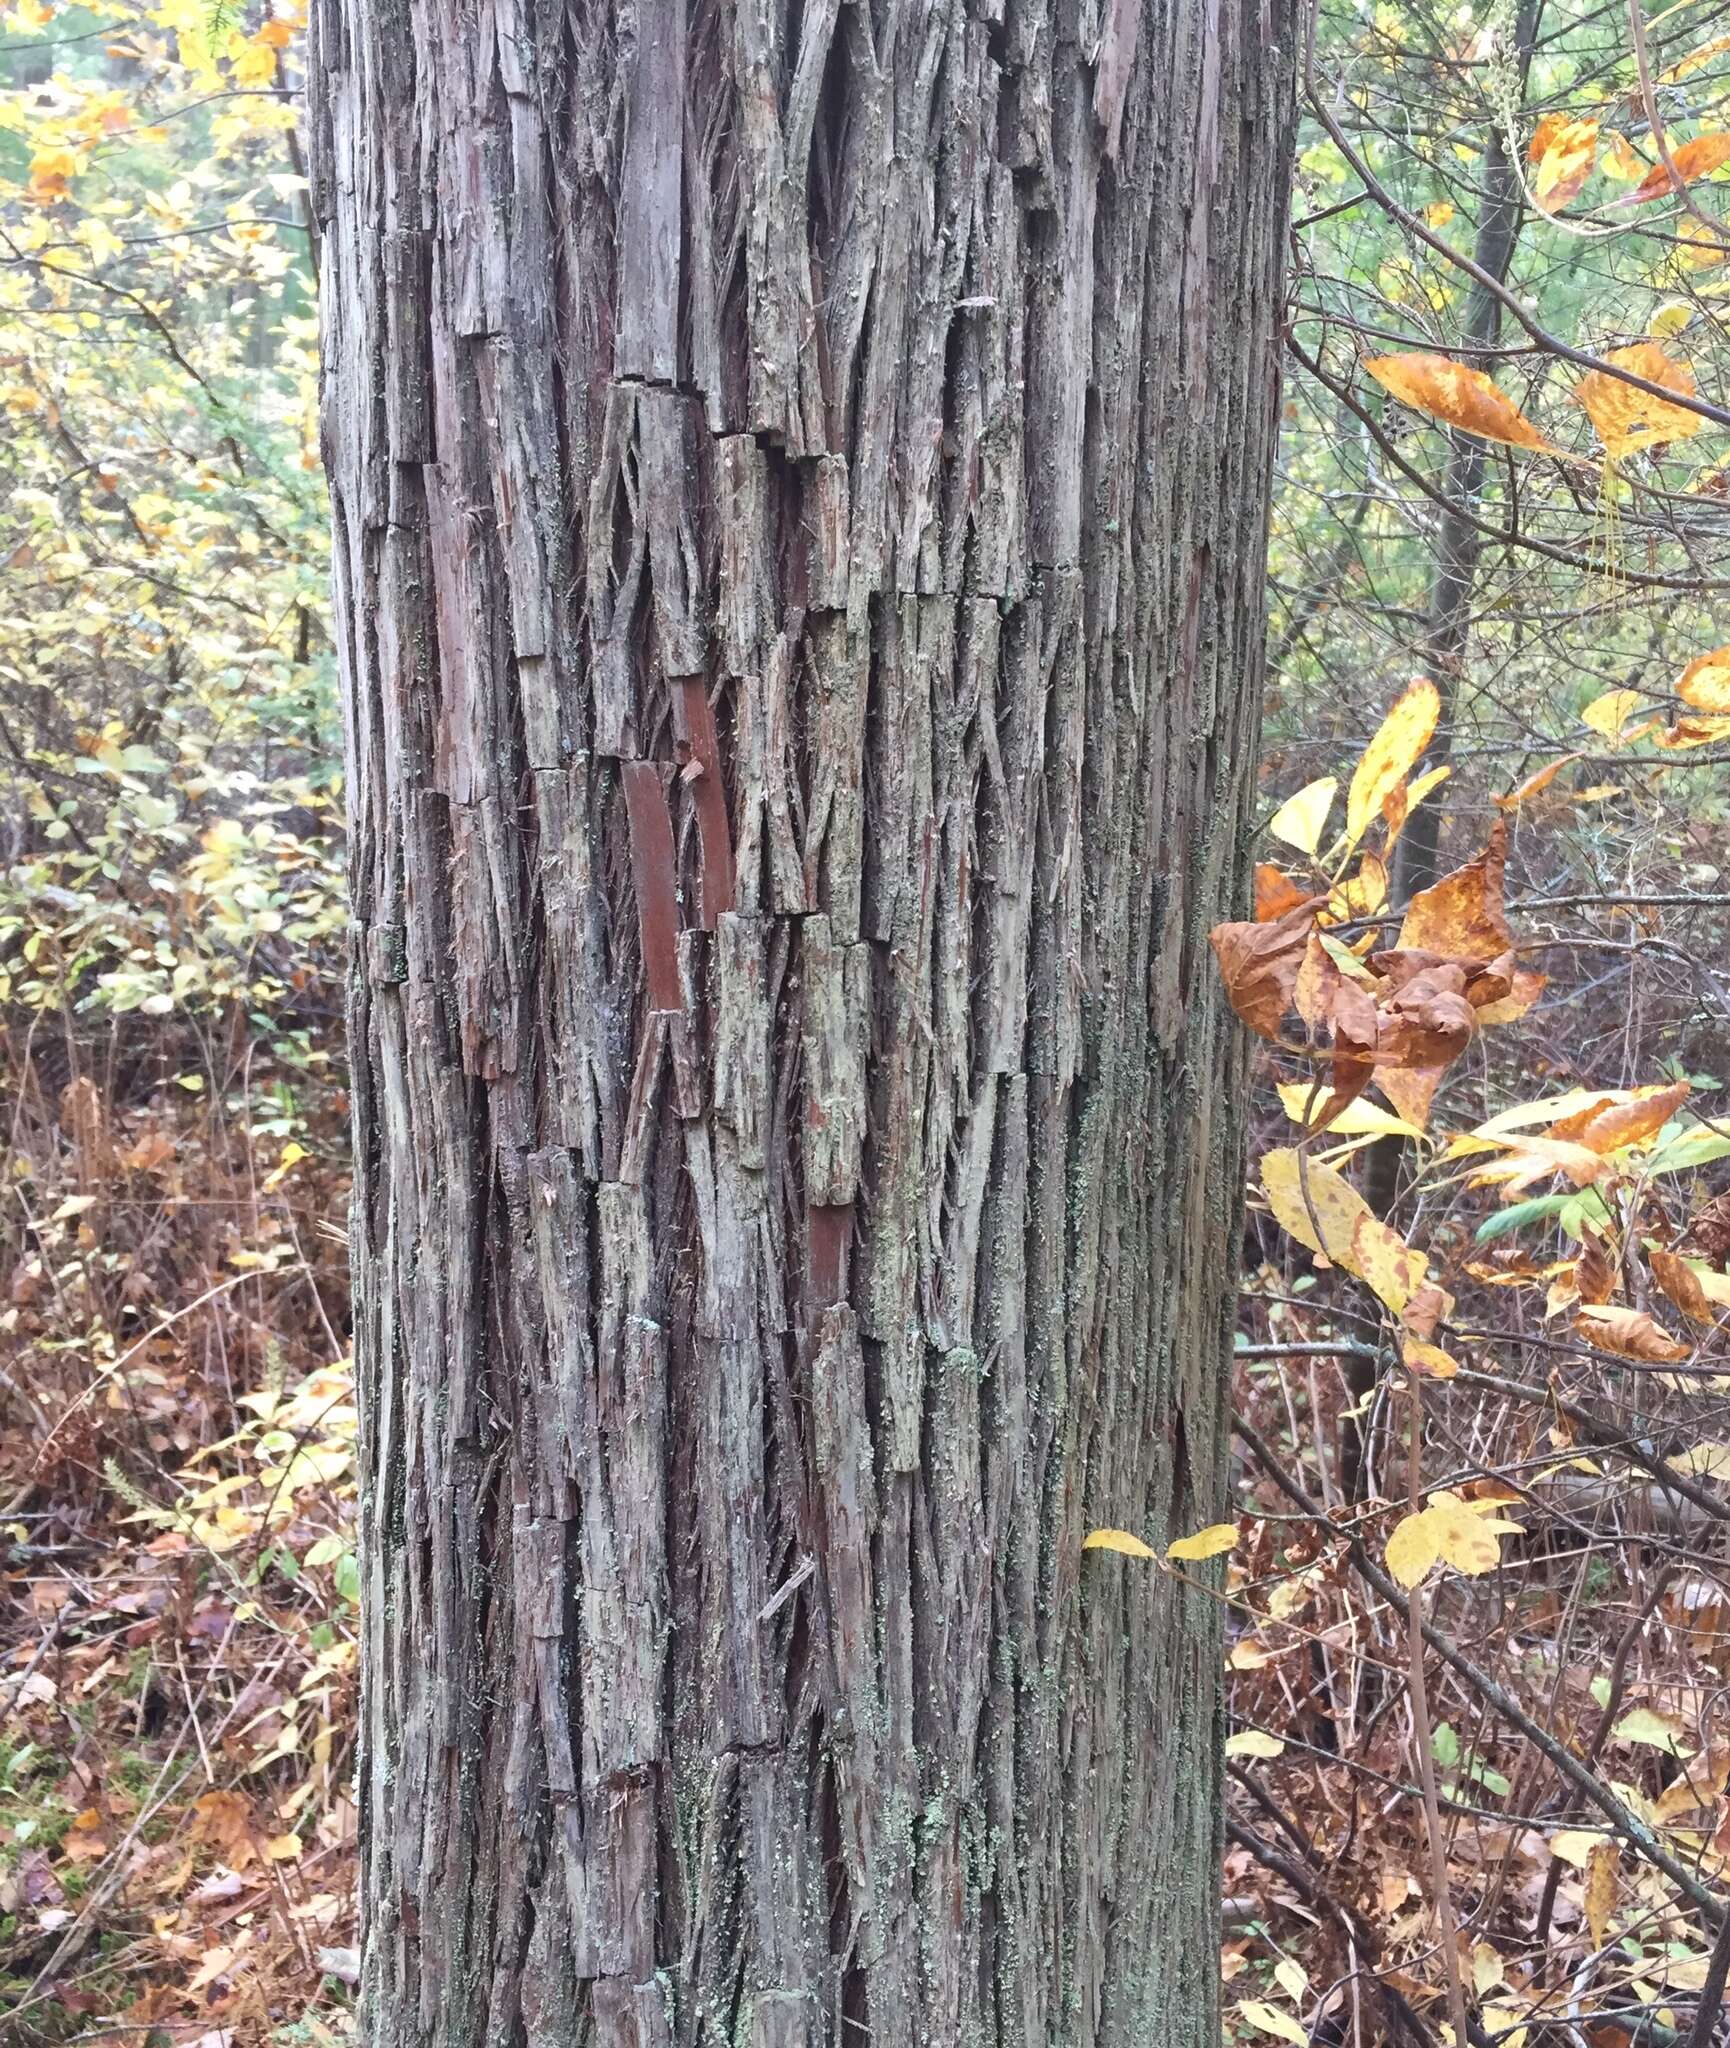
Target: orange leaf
(1628, 1332)
(1627, 419)
(1561, 154)
(1462, 397)
(1704, 685)
(1692, 732)
(1535, 783)
(1606, 1126)
(1411, 1090)
(1461, 916)
(1276, 893)
(1693, 160)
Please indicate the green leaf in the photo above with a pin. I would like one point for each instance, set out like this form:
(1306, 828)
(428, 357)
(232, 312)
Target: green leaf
(1538, 1210)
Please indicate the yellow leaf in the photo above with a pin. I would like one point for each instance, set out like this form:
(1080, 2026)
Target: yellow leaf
(1462, 397)
(1213, 1541)
(1464, 1539)
(1695, 60)
(1360, 1119)
(1253, 1742)
(1321, 1209)
(1440, 213)
(1609, 713)
(1429, 1359)
(1622, 160)
(1117, 1539)
(1271, 2020)
(1575, 1846)
(1670, 319)
(1299, 820)
(1601, 1890)
(1382, 1259)
(1292, 1978)
(1391, 755)
(1704, 685)
(1488, 1968)
(254, 61)
(1413, 1548)
(283, 1848)
(1627, 419)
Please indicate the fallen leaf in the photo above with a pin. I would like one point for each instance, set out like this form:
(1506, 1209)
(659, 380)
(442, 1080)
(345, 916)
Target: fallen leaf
(1653, 1730)
(1271, 2020)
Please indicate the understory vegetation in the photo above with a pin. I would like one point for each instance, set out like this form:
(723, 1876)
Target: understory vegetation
(1477, 1593)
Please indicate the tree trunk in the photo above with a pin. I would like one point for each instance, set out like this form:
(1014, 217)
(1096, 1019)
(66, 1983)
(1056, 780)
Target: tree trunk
(799, 481)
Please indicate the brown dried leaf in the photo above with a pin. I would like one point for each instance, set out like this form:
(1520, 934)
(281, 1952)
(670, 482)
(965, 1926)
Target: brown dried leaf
(1259, 964)
(1628, 1332)
(1602, 1889)
(1681, 1285)
(1595, 1271)
(1427, 1022)
(1709, 1233)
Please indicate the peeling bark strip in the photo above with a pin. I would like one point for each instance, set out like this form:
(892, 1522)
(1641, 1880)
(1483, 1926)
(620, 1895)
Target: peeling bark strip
(798, 477)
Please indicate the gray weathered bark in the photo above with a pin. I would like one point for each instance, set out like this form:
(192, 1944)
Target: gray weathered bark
(799, 479)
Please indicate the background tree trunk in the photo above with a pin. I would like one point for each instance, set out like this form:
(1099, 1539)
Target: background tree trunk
(799, 479)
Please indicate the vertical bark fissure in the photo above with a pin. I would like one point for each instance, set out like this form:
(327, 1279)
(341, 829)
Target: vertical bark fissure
(799, 484)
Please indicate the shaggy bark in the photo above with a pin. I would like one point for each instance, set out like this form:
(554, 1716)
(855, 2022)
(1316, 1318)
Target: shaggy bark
(799, 479)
